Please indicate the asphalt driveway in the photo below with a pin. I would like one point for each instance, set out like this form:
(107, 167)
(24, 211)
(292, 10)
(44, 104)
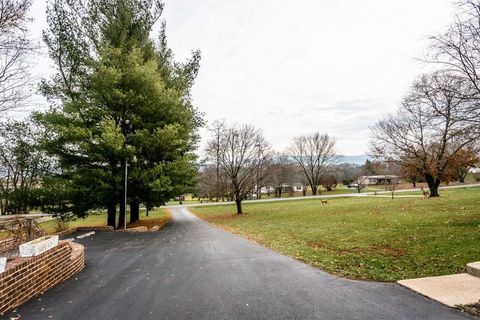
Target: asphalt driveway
(191, 270)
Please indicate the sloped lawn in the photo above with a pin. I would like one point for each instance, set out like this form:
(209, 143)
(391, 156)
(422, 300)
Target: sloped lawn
(366, 238)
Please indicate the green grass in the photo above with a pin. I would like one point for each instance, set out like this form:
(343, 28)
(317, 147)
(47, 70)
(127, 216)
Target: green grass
(158, 217)
(323, 192)
(339, 190)
(366, 238)
(185, 202)
(100, 219)
(472, 177)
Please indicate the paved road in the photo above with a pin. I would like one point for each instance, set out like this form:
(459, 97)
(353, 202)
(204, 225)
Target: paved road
(191, 270)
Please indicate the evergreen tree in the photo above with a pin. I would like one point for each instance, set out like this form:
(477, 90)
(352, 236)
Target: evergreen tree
(118, 98)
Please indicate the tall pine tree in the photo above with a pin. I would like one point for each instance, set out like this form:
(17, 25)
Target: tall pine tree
(118, 97)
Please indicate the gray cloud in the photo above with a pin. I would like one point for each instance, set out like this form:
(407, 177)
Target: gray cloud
(295, 67)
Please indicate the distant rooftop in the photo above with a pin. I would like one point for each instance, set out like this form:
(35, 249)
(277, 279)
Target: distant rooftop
(382, 176)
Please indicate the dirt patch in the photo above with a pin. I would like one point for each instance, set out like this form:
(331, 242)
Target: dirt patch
(150, 223)
(134, 229)
(225, 217)
(382, 249)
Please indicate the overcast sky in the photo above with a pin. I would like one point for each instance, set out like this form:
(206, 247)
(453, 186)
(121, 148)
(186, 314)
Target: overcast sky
(295, 67)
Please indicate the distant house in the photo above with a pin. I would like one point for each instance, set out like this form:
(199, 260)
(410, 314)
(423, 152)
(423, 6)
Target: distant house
(474, 170)
(179, 198)
(294, 187)
(297, 187)
(267, 190)
(378, 180)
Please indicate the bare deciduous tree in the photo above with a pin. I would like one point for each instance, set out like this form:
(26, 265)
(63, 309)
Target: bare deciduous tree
(330, 182)
(458, 52)
(282, 173)
(457, 49)
(243, 150)
(429, 130)
(315, 154)
(360, 183)
(213, 152)
(207, 183)
(14, 46)
(263, 168)
(22, 165)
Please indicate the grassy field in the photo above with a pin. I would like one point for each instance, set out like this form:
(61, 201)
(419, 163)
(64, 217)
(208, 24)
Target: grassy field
(185, 202)
(339, 190)
(366, 238)
(156, 217)
(322, 192)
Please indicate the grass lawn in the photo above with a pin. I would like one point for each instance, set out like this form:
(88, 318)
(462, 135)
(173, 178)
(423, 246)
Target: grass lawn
(185, 202)
(323, 192)
(157, 217)
(472, 177)
(339, 190)
(366, 238)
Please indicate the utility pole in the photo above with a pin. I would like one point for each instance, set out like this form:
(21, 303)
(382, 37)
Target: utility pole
(126, 127)
(125, 196)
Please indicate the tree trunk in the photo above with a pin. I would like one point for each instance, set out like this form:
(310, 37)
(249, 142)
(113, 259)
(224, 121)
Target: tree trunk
(239, 206)
(134, 211)
(414, 184)
(433, 184)
(111, 214)
(121, 215)
(462, 174)
(314, 190)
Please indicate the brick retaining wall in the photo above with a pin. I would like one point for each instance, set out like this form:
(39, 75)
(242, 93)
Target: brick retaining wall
(8, 244)
(25, 278)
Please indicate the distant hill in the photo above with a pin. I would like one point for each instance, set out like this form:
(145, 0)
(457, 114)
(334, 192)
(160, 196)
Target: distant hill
(358, 159)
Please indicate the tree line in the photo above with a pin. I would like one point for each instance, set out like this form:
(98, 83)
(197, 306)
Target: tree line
(119, 103)
(239, 162)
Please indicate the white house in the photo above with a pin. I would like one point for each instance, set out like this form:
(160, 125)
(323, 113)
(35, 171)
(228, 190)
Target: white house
(294, 187)
(378, 180)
